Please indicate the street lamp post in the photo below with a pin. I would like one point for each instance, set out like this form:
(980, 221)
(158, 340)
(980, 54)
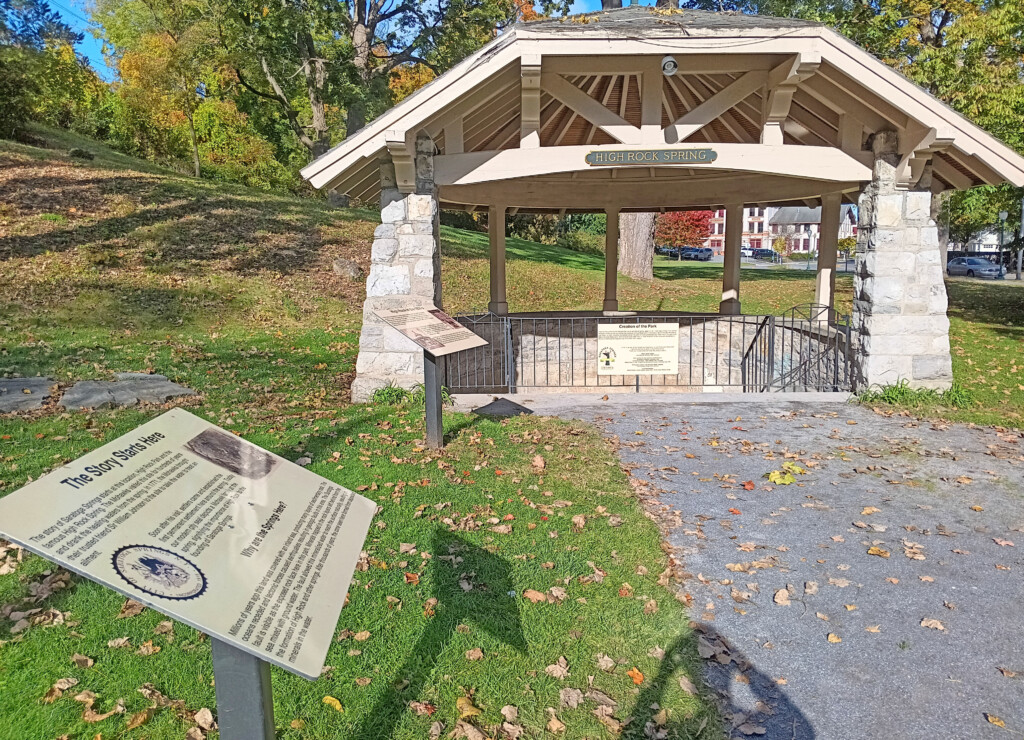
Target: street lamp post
(1002, 225)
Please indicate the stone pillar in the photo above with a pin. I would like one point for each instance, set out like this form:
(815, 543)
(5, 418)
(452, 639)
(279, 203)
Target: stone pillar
(731, 269)
(611, 260)
(899, 309)
(405, 271)
(496, 234)
(828, 246)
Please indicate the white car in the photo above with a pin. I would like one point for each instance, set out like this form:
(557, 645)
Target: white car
(747, 252)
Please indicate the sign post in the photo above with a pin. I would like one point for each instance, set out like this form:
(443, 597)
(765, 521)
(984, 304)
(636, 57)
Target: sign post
(213, 531)
(439, 335)
(433, 400)
(245, 702)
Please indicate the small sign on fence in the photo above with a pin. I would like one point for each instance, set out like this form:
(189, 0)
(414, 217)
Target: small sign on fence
(638, 349)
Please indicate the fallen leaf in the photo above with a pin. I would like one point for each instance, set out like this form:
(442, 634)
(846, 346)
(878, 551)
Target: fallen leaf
(130, 608)
(748, 485)
(749, 728)
(204, 718)
(467, 731)
(833, 637)
(1001, 542)
(687, 685)
(119, 642)
(651, 607)
(555, 725)
(511, 713)
(466, 707)
(361, 636)
(870, 510)
(333, 703)
(412, 578)
(874, 550)
(148, 648)
(1007, 672)
(82, 661)
(140, 718)
(994, 720)
(605, 663)
(874, 628)
(58, 689)
(636, 675)
(570, 698)
(558, 670)
(932, 624)
(535, 596)
(782, 597)
(475, 654)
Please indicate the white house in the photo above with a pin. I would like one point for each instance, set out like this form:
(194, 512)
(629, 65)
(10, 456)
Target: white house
(802, 226)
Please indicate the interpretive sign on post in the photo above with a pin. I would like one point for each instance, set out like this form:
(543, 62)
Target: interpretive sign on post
(213, 531)
(438, 334)
(638, 349)
(432, 329)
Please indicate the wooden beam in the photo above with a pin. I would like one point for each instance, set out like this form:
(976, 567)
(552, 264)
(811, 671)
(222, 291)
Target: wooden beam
(675, 193)
(729, 119)
(823, 163)
(570, 119)
(844, 101)
(780, 88)
(594, 64)
(454, 141)
(651, 96)
(402, 151)
(529, 130)
(699, 117)
(612, 124)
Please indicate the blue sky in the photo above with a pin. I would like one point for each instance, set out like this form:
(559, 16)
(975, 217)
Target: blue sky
(75, 15)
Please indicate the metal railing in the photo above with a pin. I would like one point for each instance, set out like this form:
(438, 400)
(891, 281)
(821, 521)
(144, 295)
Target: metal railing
(801, 350)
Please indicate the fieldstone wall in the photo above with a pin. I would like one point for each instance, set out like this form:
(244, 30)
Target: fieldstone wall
(405, 271)
(899, 311)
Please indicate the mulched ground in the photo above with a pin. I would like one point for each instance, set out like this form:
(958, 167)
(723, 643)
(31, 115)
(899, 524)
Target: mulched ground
(877, 595)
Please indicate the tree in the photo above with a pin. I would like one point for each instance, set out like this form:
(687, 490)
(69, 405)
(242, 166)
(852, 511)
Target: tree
(636, 245)
(683, 228)
(32, 24)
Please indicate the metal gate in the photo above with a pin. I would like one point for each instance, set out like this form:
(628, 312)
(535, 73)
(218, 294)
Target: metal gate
(807, 348)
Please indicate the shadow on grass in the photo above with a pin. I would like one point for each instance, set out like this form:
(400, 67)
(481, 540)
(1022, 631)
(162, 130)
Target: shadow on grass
(670, 270)
(1000, 305)
(746, 694)
(487, 604)
(474, 245)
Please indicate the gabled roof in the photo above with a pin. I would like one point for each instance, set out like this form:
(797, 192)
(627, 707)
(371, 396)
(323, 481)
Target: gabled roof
(803, 215)
(847, 95)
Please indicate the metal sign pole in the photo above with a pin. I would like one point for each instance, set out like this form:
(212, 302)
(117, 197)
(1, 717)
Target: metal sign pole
(432, 389)
(245, 703)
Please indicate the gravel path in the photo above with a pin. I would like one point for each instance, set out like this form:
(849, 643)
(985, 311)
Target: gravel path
(876, 596)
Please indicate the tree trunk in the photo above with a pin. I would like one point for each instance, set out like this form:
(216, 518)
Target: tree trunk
(316, 78)
(636, 245)
(195, 143)
(610, 4)
(943, 228)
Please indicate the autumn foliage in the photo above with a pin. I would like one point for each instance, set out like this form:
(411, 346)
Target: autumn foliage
(683, 228)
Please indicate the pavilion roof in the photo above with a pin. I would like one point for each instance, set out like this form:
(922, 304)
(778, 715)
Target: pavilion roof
(731, 67)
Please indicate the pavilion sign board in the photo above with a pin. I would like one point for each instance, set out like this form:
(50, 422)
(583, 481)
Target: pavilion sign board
(432, 329)
(638, 349)
(651, 156)
(206, 528)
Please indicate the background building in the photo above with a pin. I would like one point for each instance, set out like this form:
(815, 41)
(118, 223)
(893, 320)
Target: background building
(802, 226)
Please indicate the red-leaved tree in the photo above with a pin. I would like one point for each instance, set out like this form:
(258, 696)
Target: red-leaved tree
(683, 228)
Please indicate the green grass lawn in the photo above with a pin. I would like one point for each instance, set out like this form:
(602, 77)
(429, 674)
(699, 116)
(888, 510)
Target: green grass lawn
(107, 266)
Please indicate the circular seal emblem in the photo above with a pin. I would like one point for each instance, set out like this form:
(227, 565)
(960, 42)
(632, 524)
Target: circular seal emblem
(159, 572)
(606, 357)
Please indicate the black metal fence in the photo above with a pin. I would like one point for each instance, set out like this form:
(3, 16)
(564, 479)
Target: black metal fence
(806, 349)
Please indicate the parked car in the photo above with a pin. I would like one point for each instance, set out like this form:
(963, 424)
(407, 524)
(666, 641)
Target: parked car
(702, 254)
(688, 252)
(665, 251)
(764, 254)
(747, 252)
(973, 267)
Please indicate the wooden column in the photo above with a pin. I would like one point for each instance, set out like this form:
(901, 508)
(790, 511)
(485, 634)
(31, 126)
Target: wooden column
(611, 261)
(828, 245)
(731, 269)
(496, 233)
